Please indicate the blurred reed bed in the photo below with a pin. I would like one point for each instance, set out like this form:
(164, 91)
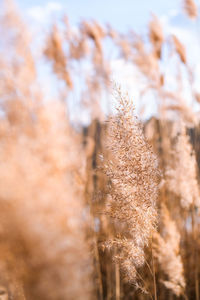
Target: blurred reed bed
(108, 210)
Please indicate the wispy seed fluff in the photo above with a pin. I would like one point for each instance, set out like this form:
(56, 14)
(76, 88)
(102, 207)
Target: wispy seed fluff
(43, 250)
(191, 8)
(133, 175)
(167, 251)
(182, 174)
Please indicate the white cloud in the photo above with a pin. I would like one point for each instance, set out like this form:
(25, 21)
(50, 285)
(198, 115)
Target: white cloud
(188, 34)
(130, 79)
(177, 23)
(42, 14)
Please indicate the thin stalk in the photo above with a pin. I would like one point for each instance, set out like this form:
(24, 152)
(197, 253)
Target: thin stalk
(149, 267)
(117, 281)
(154, 274)
(98, 269)
(138, 274)
(195, 254)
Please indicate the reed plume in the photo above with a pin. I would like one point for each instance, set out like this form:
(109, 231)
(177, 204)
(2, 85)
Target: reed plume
(167, 251)
(156, 36)
(182, 174)
(55, 53)
(50, 183)
(190, 8)
(132, 170)
(43, 246)
(180, 49)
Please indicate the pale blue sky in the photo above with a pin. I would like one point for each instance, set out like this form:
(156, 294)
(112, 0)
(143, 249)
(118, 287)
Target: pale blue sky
(121, 14)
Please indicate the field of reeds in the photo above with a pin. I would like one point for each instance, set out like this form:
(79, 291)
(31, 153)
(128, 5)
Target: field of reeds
(96, 200)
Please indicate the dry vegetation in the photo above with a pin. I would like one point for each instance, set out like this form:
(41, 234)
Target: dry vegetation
(107, 211)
